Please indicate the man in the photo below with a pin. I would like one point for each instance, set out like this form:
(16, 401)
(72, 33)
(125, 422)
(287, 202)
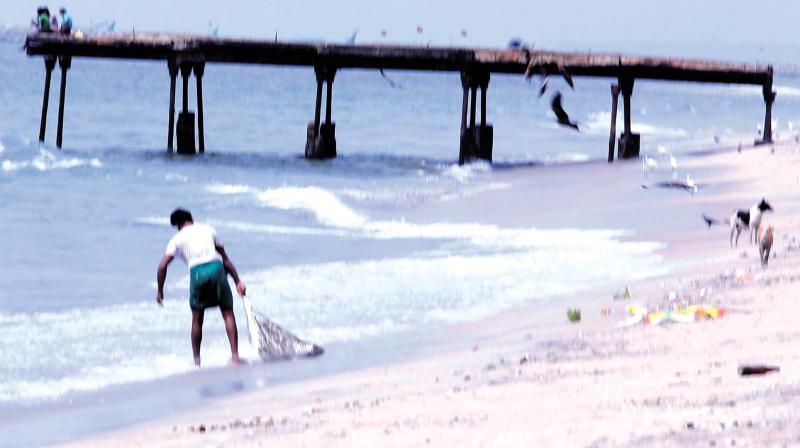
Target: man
(66, 21)
(198, 246)
(44, 20)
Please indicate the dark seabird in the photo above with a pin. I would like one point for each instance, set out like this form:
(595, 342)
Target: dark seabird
(543, 87)
(392, 84)
(567, 78)
(561, 116)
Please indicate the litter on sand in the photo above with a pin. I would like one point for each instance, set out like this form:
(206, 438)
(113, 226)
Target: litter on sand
(758, 369)
(574, 315)
(626, 294)
(691, 313)
(274, 342)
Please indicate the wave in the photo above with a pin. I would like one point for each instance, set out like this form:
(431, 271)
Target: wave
(341, 301)
(47, 160)
(565, 157)
(218, 188)
(599, 124)
(250, 227)
(323, 204)
(330, 211)
(81, 350)
(463, 173)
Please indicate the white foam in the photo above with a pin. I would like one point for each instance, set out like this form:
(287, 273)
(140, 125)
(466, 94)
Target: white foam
(341, 301)
(2, 148)
(782, 90)
(330, 211)
(276, 230)
(599, 121)
(467, 192)
(566, 157)
(250, 227)
(88, 349)
(324, 205)
(175, 177)
(463, 173)
(218, 188)
(46, 161)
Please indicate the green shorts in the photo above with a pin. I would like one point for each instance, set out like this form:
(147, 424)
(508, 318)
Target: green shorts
(208, 287)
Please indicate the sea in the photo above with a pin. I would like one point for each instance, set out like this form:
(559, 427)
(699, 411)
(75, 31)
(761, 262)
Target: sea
(339, 251)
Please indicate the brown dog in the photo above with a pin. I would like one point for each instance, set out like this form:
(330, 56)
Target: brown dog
(765, 236)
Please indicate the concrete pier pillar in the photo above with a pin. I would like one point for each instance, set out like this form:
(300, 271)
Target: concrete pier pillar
(612, 139)
(629, 142)
(185, 127)
(473, 99)
(769, 98)
(64, 62)
(49, 65)
(199, 68)
(318, 105)
(464, 105)
(476, 140)
(328, 100)
(172, 66)
(483, 102)
(321, 137)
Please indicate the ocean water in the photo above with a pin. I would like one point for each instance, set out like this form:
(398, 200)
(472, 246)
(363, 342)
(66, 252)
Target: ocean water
(337, 251)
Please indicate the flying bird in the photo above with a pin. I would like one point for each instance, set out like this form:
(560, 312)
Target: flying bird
(561, 116)
(543, 87)
(567, 77)
(392, 84)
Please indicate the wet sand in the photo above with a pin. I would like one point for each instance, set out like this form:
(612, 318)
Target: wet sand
(527, 377)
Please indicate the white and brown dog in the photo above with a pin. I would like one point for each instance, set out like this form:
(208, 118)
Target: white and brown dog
(742, 220)
(748, 219)
(765, 237)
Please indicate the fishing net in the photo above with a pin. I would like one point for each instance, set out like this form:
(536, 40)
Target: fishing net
(272, 340)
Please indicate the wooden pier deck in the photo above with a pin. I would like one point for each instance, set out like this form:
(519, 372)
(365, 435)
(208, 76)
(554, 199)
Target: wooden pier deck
(189, 54)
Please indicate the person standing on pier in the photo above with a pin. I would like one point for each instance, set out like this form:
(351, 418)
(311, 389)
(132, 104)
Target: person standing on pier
(53, 22)
(43, 17)
(198, 246)
(66, 21)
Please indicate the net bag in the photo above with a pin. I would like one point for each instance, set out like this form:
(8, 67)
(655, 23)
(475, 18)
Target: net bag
(272, 340)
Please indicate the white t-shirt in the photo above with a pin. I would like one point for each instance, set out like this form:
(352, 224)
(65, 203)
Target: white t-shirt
(195, 244)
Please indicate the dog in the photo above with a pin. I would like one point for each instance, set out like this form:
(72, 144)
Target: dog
(744, 220)
(748, 220)
(765, 237)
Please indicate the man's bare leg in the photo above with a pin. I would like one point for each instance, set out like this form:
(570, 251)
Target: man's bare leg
(197, 334)
(233, 334)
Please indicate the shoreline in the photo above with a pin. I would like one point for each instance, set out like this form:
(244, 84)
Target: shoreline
(511, 337)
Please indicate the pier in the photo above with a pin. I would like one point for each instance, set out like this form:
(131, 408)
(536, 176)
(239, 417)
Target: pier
(188, 55)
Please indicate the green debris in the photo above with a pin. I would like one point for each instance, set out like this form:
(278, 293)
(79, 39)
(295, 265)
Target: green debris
(626, 294)
(574, 315)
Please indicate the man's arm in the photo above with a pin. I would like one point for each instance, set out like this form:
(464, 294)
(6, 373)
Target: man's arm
(230, 269)
(161, 277)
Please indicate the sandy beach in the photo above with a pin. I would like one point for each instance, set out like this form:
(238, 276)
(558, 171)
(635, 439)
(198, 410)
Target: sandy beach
(528, 377)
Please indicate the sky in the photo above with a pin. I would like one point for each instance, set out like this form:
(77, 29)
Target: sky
(724, 28)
